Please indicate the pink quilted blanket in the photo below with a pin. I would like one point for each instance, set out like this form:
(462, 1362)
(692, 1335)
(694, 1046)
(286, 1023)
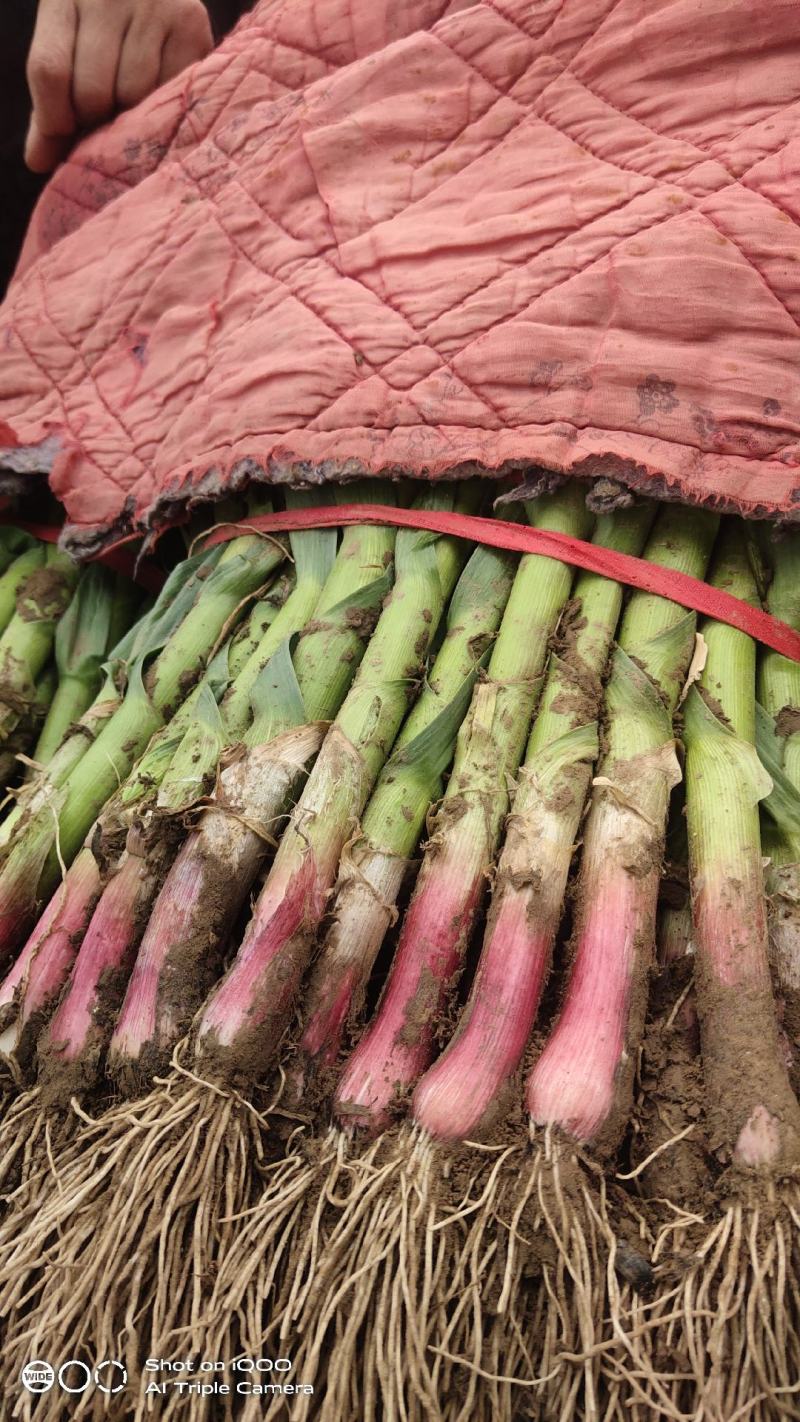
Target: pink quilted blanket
(422, 235)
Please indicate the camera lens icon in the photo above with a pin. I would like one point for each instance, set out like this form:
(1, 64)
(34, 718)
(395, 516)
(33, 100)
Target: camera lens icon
(37, 1376)
(110, 1375)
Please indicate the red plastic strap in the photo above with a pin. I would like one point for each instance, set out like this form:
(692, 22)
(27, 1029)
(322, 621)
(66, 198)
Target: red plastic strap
(518, 538)
(145, 574)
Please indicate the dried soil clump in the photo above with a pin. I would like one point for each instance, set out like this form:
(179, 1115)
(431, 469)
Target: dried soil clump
(670, 1107)
(43, 596)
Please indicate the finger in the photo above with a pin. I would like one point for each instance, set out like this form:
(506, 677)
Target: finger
(139, 62)
(188, 40)
(44, 152)
(97, 51)
(49, 68)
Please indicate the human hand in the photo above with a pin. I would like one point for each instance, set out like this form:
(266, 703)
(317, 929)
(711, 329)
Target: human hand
(90, 58)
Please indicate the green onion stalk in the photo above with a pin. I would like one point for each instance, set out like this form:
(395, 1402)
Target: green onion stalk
(42, 967)
(79, 1031)
(47, 840)
(135, 644)
(397, 1046)
(16, 751)
(46, 688)
(98, 615)
(778, 742)
(244, 1019)
(29, 558)
(735, 1299)
(13, 542)
(195, 720)
(324, 660)
(753, 1113)
(245, 565)
(279, 726)
(26, 645)
(120, 672)
(583, 1080)
(295, 695)
(50, 949)
(467, 1083)
(61, 925)
(248, 635)
(375, 865)
(121, 865)
(131, 862)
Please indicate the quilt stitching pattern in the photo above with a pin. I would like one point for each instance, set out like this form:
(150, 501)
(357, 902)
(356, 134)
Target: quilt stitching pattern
(113, 415)
(498, 310)
(418, 334)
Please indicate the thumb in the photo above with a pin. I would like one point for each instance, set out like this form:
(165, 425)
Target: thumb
(44, 152)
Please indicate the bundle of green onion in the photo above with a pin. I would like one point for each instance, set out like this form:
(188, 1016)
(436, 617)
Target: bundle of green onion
(444, 774)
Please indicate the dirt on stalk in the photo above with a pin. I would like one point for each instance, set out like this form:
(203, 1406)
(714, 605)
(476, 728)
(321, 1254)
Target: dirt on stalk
(43, 596)
(787, 721)
(671, 1098)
